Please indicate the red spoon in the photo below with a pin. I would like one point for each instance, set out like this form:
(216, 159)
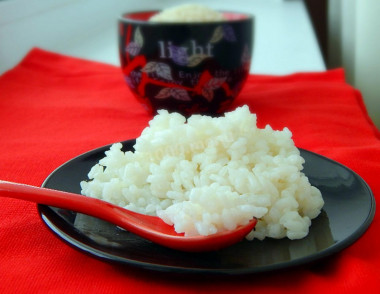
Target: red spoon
(149, 227)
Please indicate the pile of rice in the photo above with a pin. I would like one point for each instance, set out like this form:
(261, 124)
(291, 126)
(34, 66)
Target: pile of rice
(206, 175)
(187, 13)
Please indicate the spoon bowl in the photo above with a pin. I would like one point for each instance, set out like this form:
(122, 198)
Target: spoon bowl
(149, 227)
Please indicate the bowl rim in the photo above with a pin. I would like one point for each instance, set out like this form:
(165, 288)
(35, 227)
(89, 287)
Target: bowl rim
(124, 19)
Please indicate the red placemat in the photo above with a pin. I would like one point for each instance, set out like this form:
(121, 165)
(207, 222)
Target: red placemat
(54, 107)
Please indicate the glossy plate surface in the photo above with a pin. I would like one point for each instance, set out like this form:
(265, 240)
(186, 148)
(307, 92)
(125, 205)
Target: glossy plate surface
(349, 209)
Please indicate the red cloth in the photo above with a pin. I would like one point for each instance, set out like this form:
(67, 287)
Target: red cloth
(53, 108)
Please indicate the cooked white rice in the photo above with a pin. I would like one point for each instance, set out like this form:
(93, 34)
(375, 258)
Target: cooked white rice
(187, 13)
(206, 175)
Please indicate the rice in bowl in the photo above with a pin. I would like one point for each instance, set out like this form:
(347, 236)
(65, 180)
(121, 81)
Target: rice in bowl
(187, 13)
(205, 175)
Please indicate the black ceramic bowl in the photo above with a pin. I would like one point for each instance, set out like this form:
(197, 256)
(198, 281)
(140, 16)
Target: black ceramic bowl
(189, 68)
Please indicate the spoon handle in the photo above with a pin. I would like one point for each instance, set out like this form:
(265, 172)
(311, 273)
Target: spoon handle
(79, 203)
(45, 196)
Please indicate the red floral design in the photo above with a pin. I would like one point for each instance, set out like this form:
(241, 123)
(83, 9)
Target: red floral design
(159, 74)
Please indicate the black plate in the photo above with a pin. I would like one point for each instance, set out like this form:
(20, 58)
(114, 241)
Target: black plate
(348, 211)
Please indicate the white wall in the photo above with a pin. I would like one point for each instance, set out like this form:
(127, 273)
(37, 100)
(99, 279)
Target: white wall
(367, 59)
(59, 25)
(354, 43)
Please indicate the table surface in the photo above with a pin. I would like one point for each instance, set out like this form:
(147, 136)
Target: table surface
(54, 107)
(284, 40)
